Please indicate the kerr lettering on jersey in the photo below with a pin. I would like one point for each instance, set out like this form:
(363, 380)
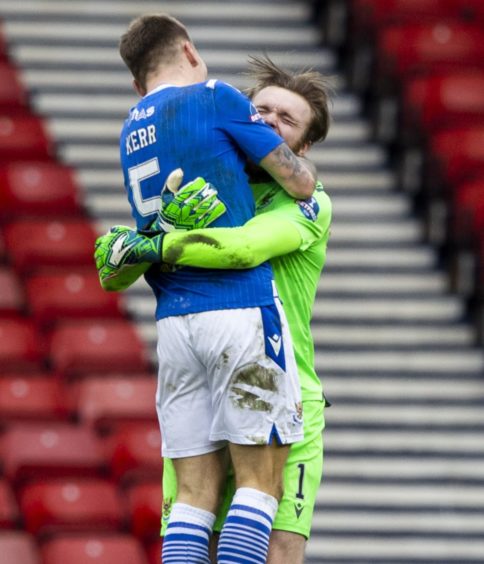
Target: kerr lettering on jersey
(140, 138)
(309, 208)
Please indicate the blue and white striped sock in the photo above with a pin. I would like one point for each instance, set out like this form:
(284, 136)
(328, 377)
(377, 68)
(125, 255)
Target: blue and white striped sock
(245, 534)
(187, 535)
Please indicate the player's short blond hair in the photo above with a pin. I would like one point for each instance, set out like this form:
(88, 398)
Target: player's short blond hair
(309, 84)
(151, 40)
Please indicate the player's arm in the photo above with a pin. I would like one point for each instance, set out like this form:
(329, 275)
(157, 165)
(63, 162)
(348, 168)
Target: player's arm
(264, 237)
(295, 174)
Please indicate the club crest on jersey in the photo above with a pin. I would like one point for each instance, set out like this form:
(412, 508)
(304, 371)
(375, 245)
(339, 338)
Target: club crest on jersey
(309, 208)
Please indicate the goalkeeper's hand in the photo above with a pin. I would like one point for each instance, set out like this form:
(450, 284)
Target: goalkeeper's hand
(122, 255)
(193, 206)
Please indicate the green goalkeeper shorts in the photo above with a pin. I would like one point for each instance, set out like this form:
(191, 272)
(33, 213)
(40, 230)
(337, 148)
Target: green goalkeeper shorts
(302, 477)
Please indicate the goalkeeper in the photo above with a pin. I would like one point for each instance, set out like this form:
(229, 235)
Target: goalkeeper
(294, 235)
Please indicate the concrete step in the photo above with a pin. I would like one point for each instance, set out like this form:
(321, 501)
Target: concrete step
(385, 469)
(397, 549)
(283, 36)
(96, 10)
(447, 363)
(106, 58)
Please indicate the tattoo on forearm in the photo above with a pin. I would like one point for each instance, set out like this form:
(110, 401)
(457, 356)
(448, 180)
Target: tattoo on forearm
(284, 157)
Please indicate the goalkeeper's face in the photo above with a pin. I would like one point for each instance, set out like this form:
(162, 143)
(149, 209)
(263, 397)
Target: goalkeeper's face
(286, 112)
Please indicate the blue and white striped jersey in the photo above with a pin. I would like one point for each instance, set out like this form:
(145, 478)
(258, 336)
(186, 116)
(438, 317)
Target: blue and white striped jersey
(207, 129)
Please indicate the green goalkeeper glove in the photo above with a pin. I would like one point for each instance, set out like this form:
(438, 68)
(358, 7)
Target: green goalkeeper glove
(122, 255)
(194, 206)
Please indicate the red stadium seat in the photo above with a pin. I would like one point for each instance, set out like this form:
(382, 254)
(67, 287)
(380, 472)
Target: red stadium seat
(12, 92)
(38, 189)
(31, 398)
(3, 250)
(9, 513)
(23, 137)
(35, 244)
(83, 347)
(467, 205)
(135, 453)
(11, 293)
(105, 402)
(44, 450)
(20, 345)
(154, 551)
(144, 503)
(17, 547)
(457, 154)
(94, 549)
(444, 100)
(55, 506)
(369, 15)
(438, 47)
(53, 297)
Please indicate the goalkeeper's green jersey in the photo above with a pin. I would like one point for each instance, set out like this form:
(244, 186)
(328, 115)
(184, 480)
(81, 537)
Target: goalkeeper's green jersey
(297, 274)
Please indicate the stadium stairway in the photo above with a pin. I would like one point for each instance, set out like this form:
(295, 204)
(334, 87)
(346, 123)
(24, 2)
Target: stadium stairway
(404, 446)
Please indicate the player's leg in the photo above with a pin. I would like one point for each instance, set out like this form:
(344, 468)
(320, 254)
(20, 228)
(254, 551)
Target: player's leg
(184, 410)
(302, 478)
(258, 411)
(286, 548)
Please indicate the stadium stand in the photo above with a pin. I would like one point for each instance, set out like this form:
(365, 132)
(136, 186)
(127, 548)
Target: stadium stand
(404, 451)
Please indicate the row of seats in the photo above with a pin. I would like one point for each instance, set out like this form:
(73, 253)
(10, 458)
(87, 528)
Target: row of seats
(75, 348)
(49, 507)
(79, 548)
(419, 65)
(101, 402)
(80, 457)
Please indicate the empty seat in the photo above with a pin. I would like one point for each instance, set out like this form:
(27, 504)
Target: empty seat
(34, 451)
(23, 137)
(50, 243)
(106, 401)
(31, 398)
(94, 549)
(443, 100)
(18, 547)
(54, 506)
(440, 46)
(154, 551)
(9, 513)
(369, 15)
(144, 503)
(468, 212)
(20, 344)
(11, 292)
(70, 294)
(12, 91)
(135, 453)
(83, 347)
(38, 189)
(457, 154)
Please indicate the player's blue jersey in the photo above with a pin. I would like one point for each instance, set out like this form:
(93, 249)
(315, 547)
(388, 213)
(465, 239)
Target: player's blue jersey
(207, 129)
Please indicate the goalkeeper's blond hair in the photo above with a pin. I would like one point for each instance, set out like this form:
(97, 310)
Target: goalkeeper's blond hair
(309, 84)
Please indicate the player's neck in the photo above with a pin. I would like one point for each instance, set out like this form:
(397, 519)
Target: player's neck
(175, 76)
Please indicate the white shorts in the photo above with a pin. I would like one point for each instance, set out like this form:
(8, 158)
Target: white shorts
(226, 375)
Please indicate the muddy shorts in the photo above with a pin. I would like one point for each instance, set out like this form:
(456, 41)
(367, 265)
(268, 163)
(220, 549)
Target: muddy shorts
(226, 376)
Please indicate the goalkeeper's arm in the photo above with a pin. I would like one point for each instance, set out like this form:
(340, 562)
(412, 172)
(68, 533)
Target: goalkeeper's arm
(263, 237)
